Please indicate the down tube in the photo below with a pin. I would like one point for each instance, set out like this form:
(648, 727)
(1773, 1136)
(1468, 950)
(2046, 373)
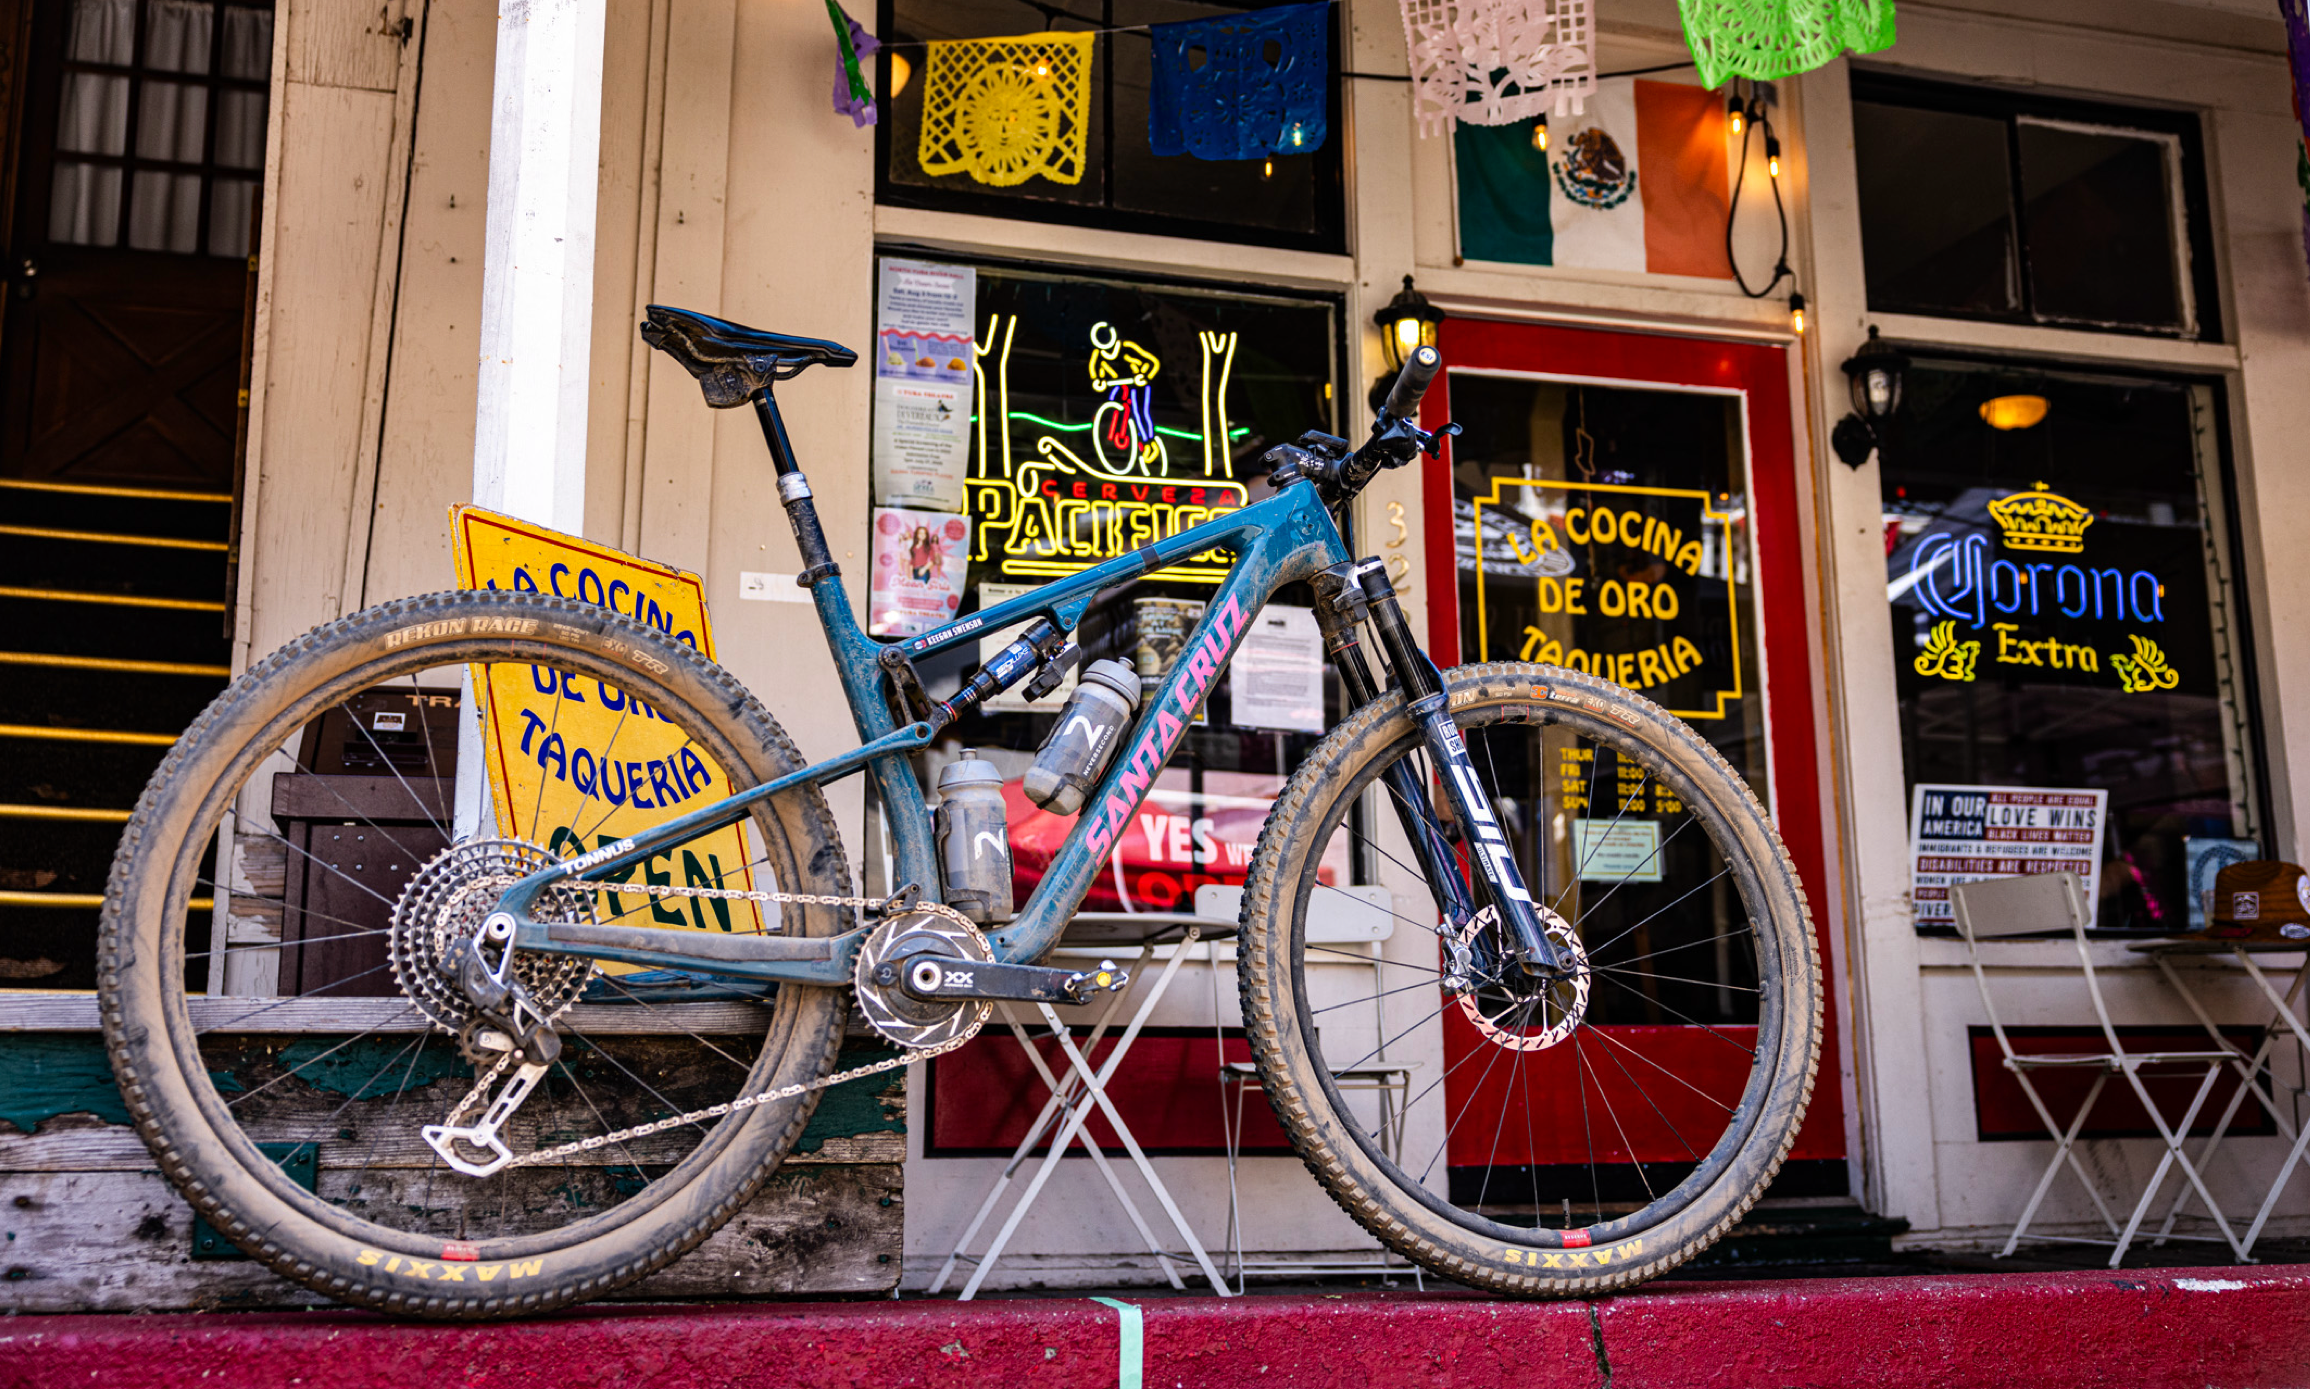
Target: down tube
(1302, 543)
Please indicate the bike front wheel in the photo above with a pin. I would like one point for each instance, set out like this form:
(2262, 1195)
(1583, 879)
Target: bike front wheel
(1539, 1135)
(284, 1028)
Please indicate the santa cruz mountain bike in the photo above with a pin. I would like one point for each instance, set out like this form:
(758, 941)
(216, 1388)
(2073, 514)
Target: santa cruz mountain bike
(550, 1092)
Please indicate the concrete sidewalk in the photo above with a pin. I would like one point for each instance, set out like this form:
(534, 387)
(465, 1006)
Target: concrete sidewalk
(2140, 1329)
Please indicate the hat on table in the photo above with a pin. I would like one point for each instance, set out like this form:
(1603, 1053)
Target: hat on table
(2265, 899)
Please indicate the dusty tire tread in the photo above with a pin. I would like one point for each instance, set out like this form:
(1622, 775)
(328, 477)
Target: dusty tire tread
(1378, 1211)
(127, 1040)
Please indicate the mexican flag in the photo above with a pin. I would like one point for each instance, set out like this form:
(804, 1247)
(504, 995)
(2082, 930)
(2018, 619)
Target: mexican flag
(1641, 182)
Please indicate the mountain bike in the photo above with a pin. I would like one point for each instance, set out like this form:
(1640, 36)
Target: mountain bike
(559, 1092)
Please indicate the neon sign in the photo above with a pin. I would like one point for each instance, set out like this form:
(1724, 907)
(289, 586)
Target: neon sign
(1648, 552)
(1959, 577)
(1065, 507)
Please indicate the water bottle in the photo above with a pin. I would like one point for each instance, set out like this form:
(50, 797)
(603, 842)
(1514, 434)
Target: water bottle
(1090, 729)
(974, 848)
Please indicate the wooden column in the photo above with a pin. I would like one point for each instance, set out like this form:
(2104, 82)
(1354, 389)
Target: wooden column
(537, 261)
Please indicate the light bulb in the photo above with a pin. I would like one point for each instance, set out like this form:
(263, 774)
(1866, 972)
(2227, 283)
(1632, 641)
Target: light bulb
(1797, 314)
(1772, 156)
(1540, 135)
(1407, 336)
(1267, 168)
(1737, 115)
(900, 71)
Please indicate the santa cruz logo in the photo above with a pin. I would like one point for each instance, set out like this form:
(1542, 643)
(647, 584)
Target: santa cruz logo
(1592, 171)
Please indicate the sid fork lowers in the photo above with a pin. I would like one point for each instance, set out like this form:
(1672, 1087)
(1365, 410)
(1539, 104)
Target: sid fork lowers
(1358, 592)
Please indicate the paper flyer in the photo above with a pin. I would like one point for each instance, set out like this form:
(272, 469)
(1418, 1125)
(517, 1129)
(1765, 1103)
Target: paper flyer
(1276, 678)
(1963, 834)
(920, 558)
(923, 322)
(922, 443)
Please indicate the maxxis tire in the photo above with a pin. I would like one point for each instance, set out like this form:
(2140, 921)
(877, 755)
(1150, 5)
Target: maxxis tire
(1293, 1080)
(140, 964)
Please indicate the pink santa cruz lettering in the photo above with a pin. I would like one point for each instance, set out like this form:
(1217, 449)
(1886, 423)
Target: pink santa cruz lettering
(1161, 734)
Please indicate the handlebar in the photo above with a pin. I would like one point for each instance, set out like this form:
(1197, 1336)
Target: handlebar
(1412, 383)
(1396, 439)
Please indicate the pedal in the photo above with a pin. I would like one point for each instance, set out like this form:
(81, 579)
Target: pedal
(932, 977)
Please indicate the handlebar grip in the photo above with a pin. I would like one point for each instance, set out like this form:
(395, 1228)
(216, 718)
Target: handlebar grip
(1419, 372)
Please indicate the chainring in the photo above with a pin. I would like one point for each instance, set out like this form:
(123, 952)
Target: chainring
(1552, 1008)
(446, 902)
(898, 1015)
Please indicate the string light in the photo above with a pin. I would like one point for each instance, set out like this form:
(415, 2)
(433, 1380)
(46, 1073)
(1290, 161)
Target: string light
(1772, 153)
(1267, 167)
(1540, 134)
(1797, 314)
(1737, 115)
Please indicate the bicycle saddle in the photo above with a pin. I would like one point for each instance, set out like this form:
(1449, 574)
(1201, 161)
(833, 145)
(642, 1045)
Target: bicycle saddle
(731, 360)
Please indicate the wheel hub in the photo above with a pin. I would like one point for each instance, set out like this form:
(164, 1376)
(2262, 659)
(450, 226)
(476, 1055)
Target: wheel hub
(1526, 1012)
(444, 906)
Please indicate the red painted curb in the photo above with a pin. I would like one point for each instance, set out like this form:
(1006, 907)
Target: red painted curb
(2235, 1328)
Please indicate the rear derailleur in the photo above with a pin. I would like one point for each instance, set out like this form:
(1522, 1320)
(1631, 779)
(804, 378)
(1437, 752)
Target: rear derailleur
(506, 1028)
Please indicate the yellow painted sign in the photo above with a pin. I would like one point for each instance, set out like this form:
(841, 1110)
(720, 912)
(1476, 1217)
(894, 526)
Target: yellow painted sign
(576, 764)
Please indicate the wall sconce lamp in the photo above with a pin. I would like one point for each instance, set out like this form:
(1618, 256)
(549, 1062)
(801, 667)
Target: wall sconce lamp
(1874, 374)
(1407, 323)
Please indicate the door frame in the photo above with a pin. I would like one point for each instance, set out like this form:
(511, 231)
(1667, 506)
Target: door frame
(1756, 375)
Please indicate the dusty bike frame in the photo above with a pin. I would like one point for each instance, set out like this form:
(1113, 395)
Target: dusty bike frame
(1286, 537)
(1277, 540)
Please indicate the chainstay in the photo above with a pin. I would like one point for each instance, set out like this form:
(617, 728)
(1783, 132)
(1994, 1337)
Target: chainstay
(744, 1102)
(783, 1092)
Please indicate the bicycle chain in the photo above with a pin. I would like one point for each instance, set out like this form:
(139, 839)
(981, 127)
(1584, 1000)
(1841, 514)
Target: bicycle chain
(744, 1102)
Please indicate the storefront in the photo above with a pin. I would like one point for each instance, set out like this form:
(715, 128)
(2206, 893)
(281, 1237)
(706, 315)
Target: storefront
(2055, 566)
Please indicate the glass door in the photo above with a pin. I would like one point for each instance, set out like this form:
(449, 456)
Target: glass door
(1624, 505)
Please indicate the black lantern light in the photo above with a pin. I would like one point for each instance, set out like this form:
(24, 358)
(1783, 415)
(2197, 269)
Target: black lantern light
(1407, 324)
(1874, 373)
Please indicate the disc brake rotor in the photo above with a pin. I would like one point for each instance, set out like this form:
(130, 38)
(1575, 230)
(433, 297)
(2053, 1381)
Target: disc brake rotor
(446, 902)
(1527, 1014)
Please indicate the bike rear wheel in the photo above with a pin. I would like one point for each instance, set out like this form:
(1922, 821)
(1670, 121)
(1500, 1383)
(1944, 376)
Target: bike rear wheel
(1541, 1137)
(236, 1052)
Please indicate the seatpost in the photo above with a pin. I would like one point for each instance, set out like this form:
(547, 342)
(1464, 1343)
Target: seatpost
(794, 490)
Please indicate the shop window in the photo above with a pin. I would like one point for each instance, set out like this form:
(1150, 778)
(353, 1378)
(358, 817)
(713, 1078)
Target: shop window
(1289, 200)
(1090, 416)
(160, 125)
(2064, 621)
(1979, 204)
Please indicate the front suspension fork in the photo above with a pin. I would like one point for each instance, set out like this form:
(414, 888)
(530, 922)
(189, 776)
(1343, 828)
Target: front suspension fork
(1357, 591)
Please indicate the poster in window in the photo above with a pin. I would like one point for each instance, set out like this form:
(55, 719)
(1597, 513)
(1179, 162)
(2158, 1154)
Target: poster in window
(1276, 678)
(1964, 834)
(919, 562)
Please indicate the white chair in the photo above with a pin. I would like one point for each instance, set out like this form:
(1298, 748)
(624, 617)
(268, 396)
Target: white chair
(2001, 908)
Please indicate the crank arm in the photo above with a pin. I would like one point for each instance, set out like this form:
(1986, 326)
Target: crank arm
(933, 977)
(444, 1139)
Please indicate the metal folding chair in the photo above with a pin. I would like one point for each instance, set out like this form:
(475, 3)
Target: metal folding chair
(2045, 903)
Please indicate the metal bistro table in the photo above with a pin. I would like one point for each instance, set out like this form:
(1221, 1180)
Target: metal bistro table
(1080, 1089)
(2285, 1018)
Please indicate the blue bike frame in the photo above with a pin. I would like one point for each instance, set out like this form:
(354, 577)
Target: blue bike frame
(1283, 538)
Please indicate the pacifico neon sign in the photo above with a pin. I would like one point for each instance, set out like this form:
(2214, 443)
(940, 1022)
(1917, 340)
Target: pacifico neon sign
(1070, 506)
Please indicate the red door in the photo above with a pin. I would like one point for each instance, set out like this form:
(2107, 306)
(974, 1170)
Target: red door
(1656, 458)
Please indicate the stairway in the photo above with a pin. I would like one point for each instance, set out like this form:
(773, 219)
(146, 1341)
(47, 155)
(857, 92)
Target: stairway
(115, 602)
